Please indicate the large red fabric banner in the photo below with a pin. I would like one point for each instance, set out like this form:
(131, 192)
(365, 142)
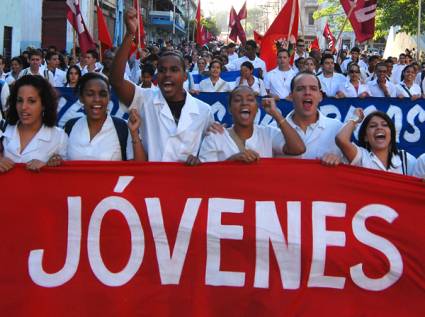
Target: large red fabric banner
(278, 238)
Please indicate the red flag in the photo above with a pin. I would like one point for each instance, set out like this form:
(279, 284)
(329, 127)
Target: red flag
(258, 37)
(236, 26)
(361, 14)
(232, 17)
(243, 13)
(74, 17)
(103, 33)
(329, 37)
(315, 44)
(199, 37)
(284, 29)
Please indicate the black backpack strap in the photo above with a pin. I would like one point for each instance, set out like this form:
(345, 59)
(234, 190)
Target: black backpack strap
(69, 125)
(3, 124)
(403, 157)
(122, 132)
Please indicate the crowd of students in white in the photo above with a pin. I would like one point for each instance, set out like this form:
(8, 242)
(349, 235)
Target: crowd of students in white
(168, 123)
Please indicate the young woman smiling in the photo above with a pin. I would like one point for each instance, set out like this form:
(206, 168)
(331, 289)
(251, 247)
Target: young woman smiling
(98, 136)
(246, 141)
(31, 136)
(214, 83)
(377, 147)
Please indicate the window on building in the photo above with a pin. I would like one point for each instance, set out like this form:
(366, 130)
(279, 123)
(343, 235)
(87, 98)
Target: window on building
(310, 18)
(7, 42)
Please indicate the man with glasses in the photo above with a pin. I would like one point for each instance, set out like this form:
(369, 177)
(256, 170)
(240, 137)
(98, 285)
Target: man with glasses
(300, 49)
(381, 86)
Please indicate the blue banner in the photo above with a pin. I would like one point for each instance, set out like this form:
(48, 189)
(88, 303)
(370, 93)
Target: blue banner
(408, 116)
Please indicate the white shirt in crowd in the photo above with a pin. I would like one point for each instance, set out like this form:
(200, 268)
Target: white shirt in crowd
(319, 138)
(59, 77)
(206, 85)
(46, 142)
(43, 72)
(105, 146)
(402, 90)
(396, 73)
(4, 94)
(367, 159)
(163, 139)
(267, 141)
(232, 57)
(279, 82)
(350, 91)
(419, 170)
(330, 85)
(258, 85)
(376, 91)
(236, 64)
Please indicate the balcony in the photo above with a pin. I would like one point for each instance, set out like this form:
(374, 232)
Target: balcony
(164, 19)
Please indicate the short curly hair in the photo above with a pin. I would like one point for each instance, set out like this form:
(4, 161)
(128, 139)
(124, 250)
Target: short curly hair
(48, 96)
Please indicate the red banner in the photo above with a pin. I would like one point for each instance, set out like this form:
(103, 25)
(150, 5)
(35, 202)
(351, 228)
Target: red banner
(361, 14)
(277, 238)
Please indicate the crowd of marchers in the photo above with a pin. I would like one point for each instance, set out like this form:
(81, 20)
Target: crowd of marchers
(167, 123)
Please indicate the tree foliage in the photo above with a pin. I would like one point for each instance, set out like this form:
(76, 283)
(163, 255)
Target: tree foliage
(403, 13)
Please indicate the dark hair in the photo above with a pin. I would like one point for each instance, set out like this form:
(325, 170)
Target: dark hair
(372, 58)
(351, 64)
(93, 53)
(174, 53)
(83, 80)
(325, 57)
(148, 69)
(304, 73)
(236, 89)
(282, 50)
(380, 64)
(247, 64)
(69, 70)
(362, 134)
(49, 55)
(355, 49)
(298, 61)
(231, 45)
(35, 52)
(251, 43)
(47, 95)
(405, 69)
(16, 59)
(188, 58)
(216, 61)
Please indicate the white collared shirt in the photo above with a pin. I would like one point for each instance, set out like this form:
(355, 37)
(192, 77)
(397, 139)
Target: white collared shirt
(105, 146)
(331, 84)
(375, 90)
(419, 170)
(236, 64)
(4, 94)
(206, 85)
(267, 141)
(414, 90)
(279, 82)
(396, 73)
(45, 74)
(258, 85)
(164, 140)
(367, 159)
(319, 138)
(45, 143)
(349, 91)
(59, 77)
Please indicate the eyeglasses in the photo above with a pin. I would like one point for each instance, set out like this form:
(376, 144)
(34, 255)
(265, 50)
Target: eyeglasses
(300, 45)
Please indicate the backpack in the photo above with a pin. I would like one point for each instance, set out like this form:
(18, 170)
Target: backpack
(120, 127)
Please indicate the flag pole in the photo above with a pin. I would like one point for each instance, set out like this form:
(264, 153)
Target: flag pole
(418, 45)
(98, 39)
(139, 46)
(301, 21)
(246, 19)
(74, 46)
(345, 22)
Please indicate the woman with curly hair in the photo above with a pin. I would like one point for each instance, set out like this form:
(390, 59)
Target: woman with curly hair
(30, 135)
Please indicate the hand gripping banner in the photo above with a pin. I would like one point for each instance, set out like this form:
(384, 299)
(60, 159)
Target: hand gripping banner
(283, 237)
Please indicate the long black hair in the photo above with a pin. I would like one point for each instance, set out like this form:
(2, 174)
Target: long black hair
(362, 135)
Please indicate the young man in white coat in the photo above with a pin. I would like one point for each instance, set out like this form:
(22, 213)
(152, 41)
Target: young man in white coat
(173, 122)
